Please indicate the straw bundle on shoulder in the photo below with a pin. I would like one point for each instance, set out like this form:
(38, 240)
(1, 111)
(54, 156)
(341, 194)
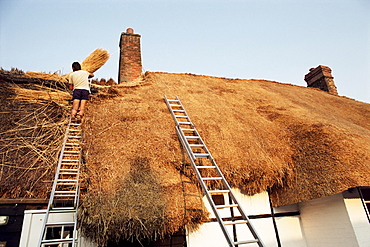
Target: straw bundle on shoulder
(95, 60)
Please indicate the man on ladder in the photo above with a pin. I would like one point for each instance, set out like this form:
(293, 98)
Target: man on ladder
(79, 83)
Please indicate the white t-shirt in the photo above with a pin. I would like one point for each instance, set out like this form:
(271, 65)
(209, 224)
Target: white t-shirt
(79, 79)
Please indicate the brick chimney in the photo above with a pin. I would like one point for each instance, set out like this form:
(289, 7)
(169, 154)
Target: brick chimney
(130, 66)
(321, 78)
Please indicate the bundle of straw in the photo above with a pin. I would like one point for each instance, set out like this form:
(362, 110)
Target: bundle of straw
(95, 60)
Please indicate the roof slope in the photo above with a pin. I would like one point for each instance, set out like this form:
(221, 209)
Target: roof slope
(299, 143)
(32, 125)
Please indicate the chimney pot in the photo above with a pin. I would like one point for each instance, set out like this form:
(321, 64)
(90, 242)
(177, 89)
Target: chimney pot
(321, 78)
(130, 30)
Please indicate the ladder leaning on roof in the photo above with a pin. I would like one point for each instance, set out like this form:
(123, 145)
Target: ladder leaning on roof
(210, 177)
(65, 193)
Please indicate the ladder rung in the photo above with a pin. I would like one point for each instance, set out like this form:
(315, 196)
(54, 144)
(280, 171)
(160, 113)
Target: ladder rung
(73, 183)
(61, 182)
(72, 144)
(71, 152)
(60, 223)
(226, 206)
(57, 241)
(184, 122)
(192, 137)
(236, 222)
(205, 167)
(212, 178)
(65, 191)
(187, 130)
(196, 145)
(70, 156)
(68, 172)
(201, 155)
(70, 160)
(181, 116)
(246, 242)
(63, 208)
(218, 191)
(58, 211)
(64, 196)
(77, 137)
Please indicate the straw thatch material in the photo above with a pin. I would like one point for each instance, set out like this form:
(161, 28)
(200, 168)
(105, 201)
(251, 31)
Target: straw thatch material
(95, 60)
(135, 188)
(299, 143)
(47, 76)
(32, 126)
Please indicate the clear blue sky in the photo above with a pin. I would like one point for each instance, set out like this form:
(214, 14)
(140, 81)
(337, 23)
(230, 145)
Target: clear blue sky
(277, 40)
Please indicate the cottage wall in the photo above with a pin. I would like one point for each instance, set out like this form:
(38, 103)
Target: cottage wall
(289, 229)
(327, 223)
(32, 225)
(357, 215)
(130, 66)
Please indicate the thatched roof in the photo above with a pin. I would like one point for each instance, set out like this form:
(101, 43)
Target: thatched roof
(299, 143)
(32, 125)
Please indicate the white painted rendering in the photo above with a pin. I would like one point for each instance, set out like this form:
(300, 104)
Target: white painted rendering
(327, 223)
(334, 221)
(289, 227)
(358, 218)
(210, 234)
(32, 225)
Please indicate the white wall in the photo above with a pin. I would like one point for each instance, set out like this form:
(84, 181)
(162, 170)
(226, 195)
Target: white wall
(289, 227)
(32, 225)
(31, 228)
(326, 223)
(210, 234)
(357, 215)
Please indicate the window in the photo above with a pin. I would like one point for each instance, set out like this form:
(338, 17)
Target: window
(218, 199)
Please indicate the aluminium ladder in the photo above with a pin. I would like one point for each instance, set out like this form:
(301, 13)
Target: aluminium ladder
(210, 177)
(64, 198)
